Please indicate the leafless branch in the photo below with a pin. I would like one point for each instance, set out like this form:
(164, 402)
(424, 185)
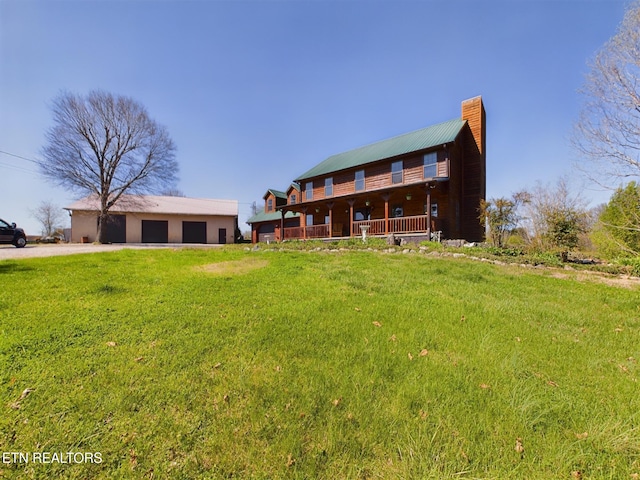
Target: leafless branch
(607, 133)
(107, 145)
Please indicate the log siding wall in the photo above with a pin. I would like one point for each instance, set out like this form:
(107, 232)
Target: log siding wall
(270, 199)
(376, 177)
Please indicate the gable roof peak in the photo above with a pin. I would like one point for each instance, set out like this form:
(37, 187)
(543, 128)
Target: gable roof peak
(275, 193)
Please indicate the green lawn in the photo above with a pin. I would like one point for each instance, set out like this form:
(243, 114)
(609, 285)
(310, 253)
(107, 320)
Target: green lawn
(239, 364)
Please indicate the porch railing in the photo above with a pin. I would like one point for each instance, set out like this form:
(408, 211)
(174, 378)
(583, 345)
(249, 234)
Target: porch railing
(417, 223)
(376, 227)
(312, 231)
(293, 232)
(413, 224)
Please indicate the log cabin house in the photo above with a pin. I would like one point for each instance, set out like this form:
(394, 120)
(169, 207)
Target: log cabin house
(426, 183)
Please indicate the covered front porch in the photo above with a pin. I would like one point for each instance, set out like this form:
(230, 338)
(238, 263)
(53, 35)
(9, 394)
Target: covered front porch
(404, 210)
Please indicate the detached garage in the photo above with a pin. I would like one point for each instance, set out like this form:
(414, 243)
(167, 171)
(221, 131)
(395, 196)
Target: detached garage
(157, 219)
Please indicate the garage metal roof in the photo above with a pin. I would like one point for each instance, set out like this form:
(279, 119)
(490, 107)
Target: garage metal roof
(161, 204)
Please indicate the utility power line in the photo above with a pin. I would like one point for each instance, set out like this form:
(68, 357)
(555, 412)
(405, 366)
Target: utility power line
(19, 168)
(16, 167)
(20, 157)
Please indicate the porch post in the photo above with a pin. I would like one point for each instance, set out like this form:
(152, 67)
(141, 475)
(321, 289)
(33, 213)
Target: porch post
(330, 207)
(303, 222)
(282, 214)
(429, 211)
(386, 197)
(351, 202)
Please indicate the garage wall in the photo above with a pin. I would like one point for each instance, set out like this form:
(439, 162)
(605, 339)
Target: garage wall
(134, 226)
(84, 224)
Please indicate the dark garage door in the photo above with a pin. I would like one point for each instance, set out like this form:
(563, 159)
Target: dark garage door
(155, 231)
(116, 229)
(194, 232)
(266, 233)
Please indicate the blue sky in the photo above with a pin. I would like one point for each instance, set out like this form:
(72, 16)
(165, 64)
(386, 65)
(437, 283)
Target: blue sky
(254, 93)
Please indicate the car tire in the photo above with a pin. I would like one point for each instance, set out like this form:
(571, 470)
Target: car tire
(20, 242)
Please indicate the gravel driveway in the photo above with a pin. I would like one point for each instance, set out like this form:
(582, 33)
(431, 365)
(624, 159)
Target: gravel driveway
(9, 252)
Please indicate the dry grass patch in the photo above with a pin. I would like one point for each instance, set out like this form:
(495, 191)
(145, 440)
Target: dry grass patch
(624, 281)
(581, 276)
(233, 267)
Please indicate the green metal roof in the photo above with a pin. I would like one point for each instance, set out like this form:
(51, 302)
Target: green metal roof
(409, 142)
(276, 193)
(271, 216)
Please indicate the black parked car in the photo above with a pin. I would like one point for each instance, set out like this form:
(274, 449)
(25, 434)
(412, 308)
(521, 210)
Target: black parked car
(9, 233)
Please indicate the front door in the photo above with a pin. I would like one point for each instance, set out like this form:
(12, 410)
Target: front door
(222, 235)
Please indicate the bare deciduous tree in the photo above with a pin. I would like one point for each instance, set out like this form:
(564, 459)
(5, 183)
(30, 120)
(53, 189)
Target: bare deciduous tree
(501, 216)
(608, 130)
(556, 216)
(50, 216)
(107, 145)
(173, 192)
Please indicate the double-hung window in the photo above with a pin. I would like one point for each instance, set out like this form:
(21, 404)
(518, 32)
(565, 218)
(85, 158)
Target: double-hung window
(396, 172)
(308, 191)
(328, 186)
(430, 165)
(270, 205)
(359, 180)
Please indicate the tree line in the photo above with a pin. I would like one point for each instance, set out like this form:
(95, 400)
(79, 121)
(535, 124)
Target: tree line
(607, 139)
(553, 218)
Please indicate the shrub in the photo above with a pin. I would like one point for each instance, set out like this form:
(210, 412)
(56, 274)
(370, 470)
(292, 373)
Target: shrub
(618, 230)
(633, 264)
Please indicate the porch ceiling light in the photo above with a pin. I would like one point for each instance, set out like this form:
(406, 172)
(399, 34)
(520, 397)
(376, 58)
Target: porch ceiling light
(317, 210)
(408, 196)
(367, 203)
